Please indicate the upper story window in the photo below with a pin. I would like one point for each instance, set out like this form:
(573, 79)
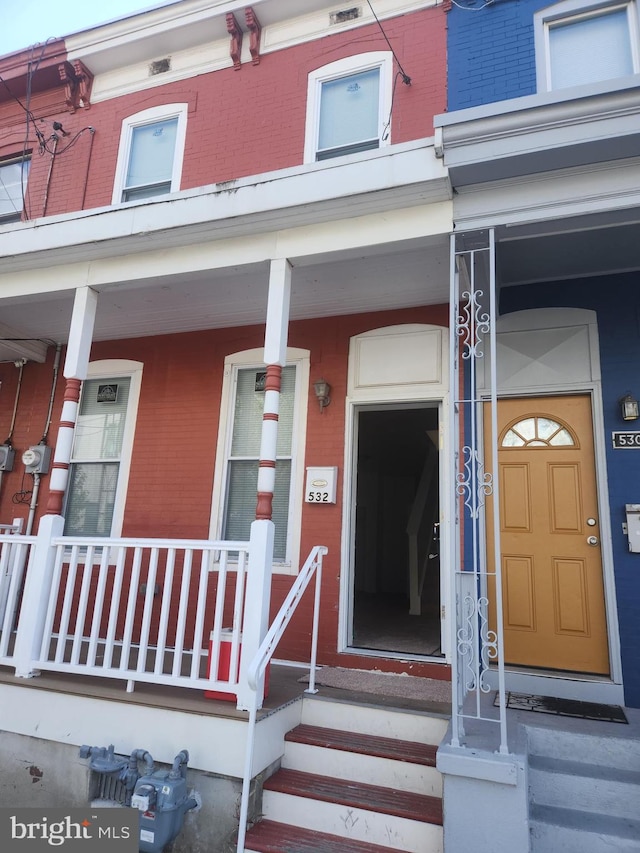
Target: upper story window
(102, 445)
(151, 152)
(579, 43)
(348, 106)
(13, 183)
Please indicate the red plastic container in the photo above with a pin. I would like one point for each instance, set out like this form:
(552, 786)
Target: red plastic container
(224, 664)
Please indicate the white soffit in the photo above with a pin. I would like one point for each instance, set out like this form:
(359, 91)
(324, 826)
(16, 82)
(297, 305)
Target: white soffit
(599, 188)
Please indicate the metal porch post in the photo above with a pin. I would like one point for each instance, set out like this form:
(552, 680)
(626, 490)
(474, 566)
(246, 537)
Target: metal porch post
(476, 645)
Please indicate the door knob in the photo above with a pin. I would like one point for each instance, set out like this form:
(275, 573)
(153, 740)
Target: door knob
(592, 540)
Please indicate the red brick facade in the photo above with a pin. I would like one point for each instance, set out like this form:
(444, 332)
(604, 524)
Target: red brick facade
(176, 431)
(240, 122)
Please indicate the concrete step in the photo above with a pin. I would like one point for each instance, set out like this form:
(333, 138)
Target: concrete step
(380, 721)
(401, 820)
(390, 762)
(576, 831)
(612, 745)
(270, 837)
(584, 786)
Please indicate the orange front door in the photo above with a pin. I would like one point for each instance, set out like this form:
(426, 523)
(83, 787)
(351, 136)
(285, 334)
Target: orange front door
(553, 595)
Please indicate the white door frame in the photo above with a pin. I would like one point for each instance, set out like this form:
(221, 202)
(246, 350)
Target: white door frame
(428, 348)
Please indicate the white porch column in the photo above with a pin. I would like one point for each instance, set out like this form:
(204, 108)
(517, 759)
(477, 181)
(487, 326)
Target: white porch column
(35, 597)
(258, 594)
(75, 370)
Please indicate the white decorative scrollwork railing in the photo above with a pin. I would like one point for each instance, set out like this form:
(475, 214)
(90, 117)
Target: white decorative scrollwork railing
(477, 636)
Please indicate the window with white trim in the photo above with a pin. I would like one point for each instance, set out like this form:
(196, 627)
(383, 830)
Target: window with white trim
(151, 153)
(349, 106)
(101, 451)
(579, 43)
(13, 185)
(236, 480)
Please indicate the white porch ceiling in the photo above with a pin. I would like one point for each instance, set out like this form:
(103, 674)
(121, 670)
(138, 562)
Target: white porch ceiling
(414, 273)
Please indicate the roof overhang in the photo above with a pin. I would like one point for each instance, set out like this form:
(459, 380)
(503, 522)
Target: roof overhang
(399, 176)
(172, 27)
(364, 233)
(541, 133)
(37, 66)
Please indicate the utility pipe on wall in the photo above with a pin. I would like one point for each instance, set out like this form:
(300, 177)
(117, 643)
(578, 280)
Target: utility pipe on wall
(33, 505)
(56, 366)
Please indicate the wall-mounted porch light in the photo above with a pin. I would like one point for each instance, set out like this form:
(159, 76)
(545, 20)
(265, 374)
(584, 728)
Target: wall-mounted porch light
(629, 408)
(322, 391)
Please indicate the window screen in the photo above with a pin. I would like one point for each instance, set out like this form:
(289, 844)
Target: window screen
(590, 49)
(95, 459)
(349, 114)
(151, 159)
(13, 177)
(242, 469)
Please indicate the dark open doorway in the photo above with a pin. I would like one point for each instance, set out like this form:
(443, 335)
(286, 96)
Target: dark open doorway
(396, 593)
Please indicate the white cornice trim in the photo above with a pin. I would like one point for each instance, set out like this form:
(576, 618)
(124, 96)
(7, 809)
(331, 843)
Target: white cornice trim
(513, 118)
(314, 25)
(540, 133)
(194, 34)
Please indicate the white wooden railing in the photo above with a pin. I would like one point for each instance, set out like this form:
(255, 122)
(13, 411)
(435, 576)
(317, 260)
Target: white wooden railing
(139, 610)
(144, 610)
(15, 553)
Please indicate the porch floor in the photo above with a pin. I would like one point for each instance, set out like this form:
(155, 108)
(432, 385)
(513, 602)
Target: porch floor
(286, 684)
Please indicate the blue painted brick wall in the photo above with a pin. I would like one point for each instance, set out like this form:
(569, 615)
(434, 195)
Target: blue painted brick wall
(490, 51)
(616, 300)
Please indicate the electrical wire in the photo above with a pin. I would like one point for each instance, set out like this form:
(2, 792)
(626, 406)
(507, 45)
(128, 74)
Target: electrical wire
(30, 116)
(71, 141)
(20, 366)
(45, 145)
(405, 77)
(31, 70)
(385, 129)
(23, 496)
(54, 382)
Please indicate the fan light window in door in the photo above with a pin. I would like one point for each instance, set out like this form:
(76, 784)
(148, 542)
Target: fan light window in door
(538, 432)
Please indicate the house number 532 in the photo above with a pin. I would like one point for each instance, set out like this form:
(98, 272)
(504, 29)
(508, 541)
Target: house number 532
(318, 497)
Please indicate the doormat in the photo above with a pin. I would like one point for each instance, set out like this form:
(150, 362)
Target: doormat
(383, 683)
(564, 707)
